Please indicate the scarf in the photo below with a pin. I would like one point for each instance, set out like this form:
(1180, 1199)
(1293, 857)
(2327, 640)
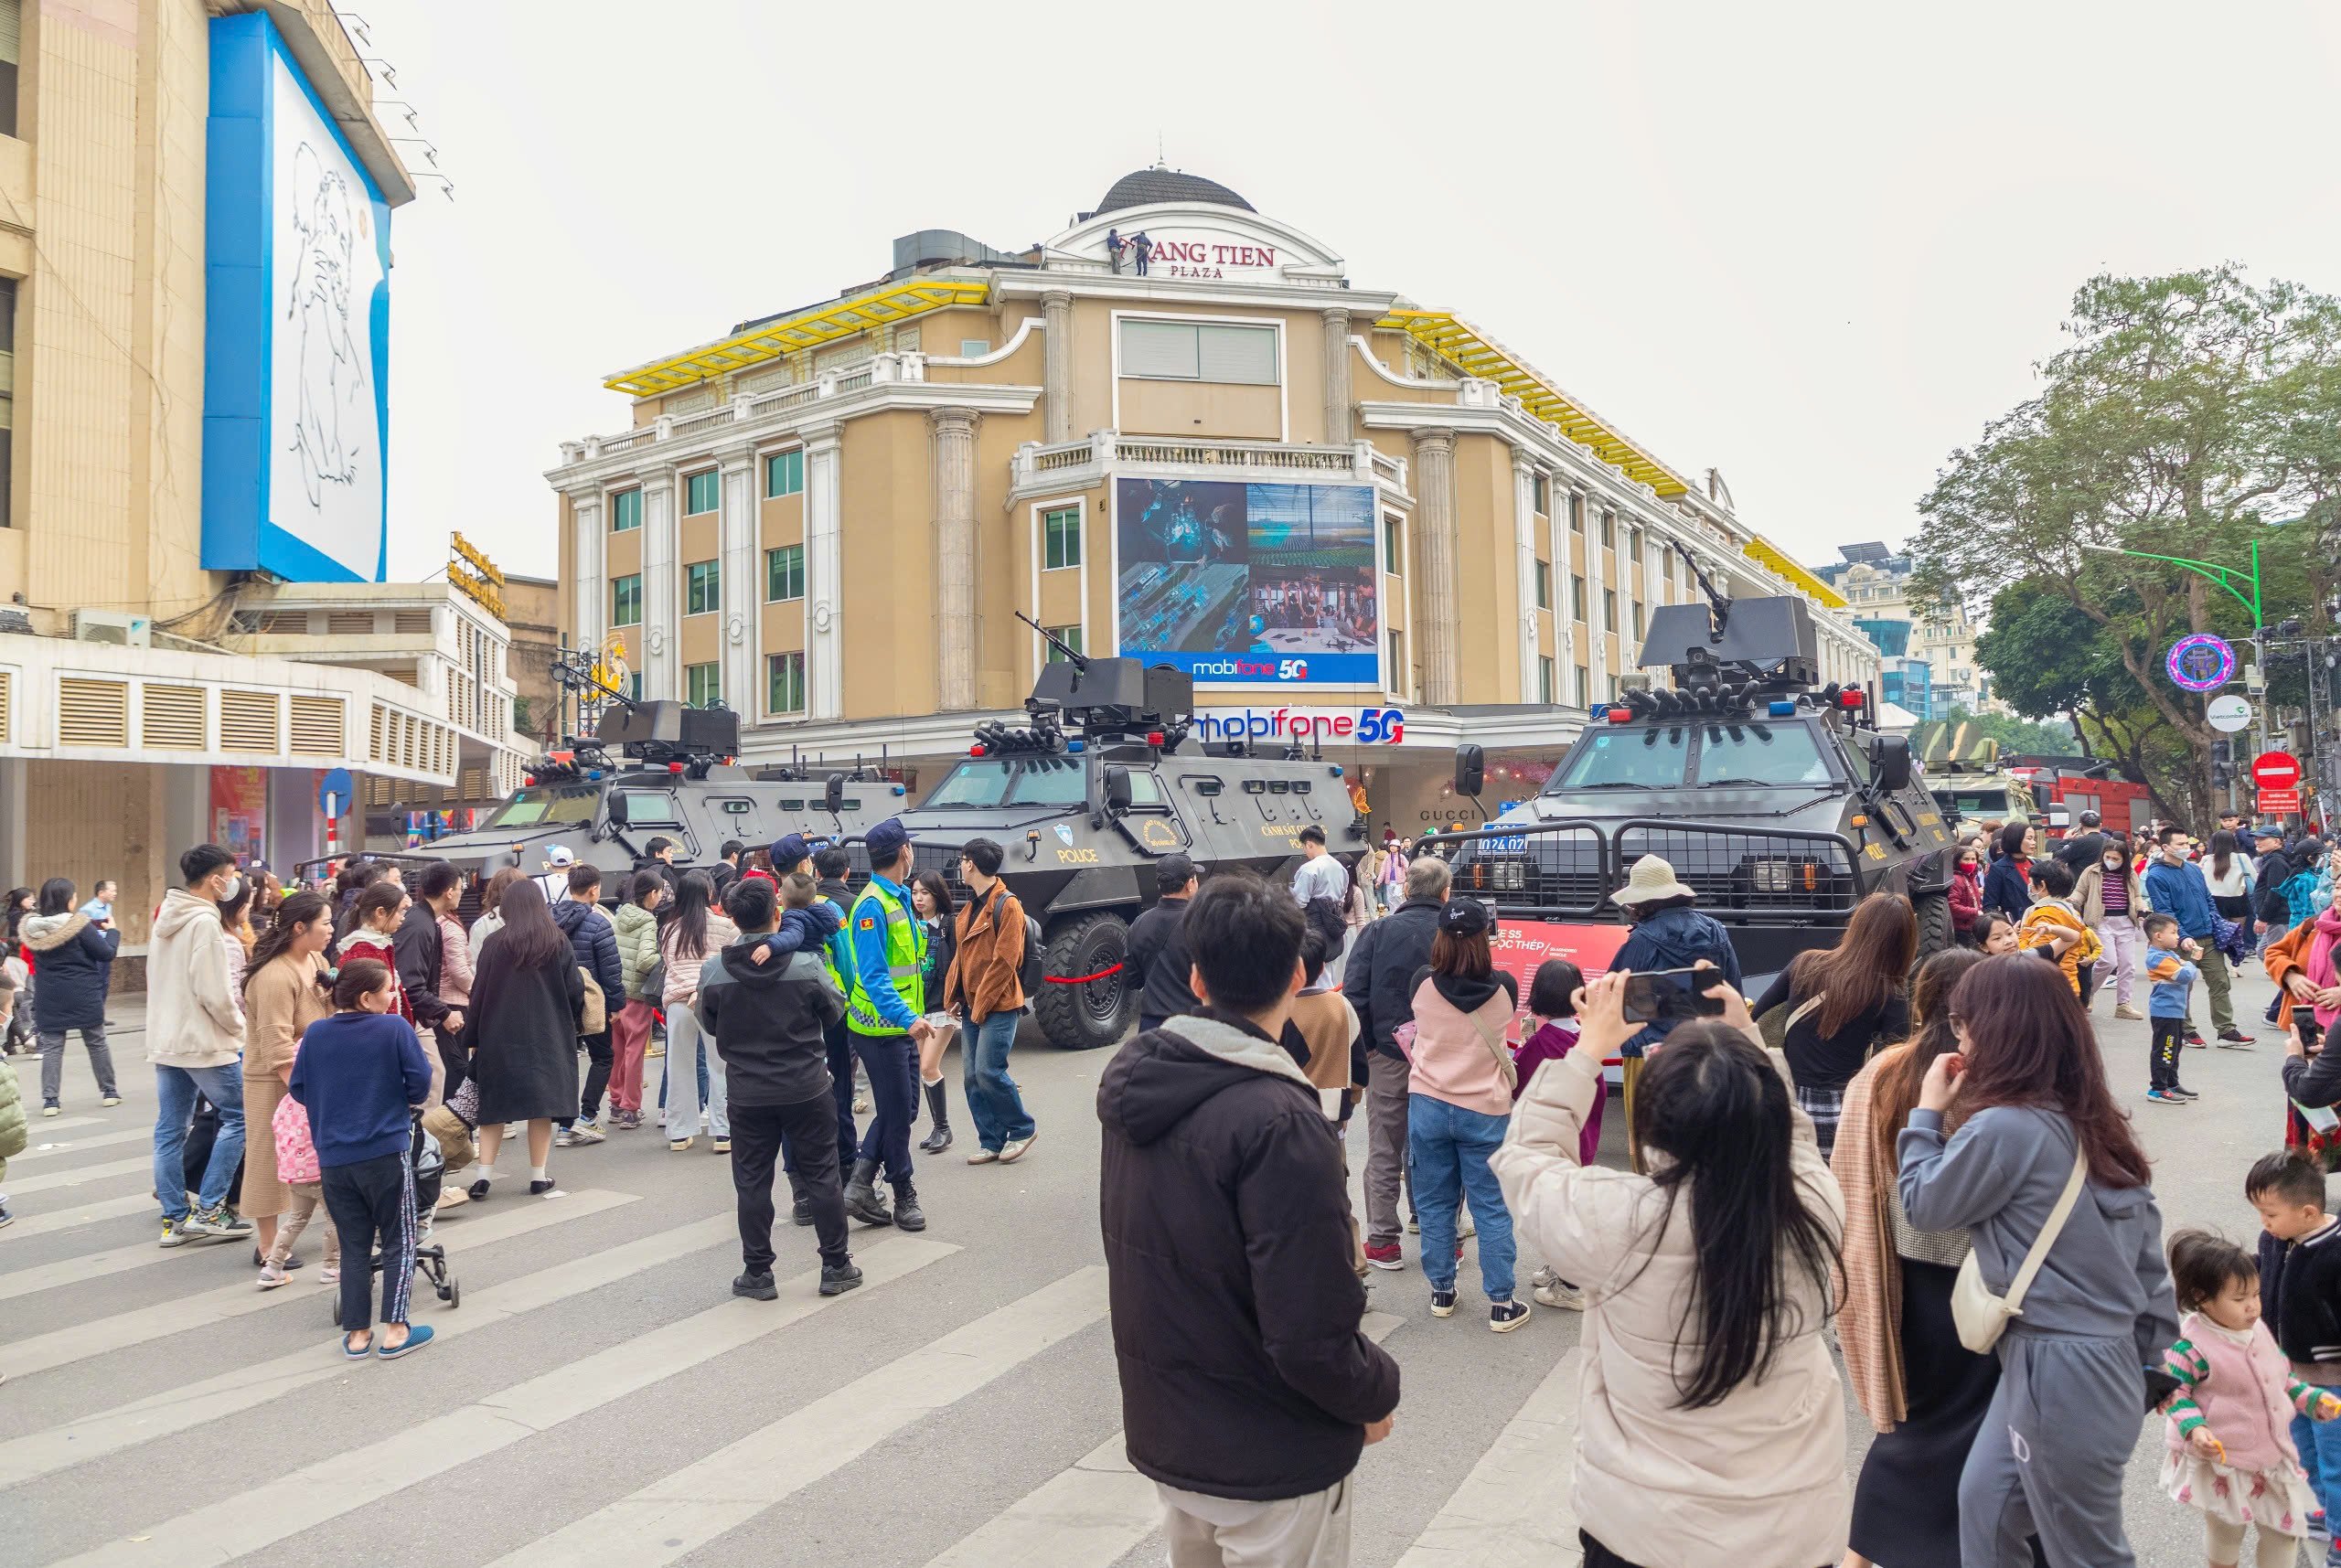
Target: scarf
(2321, 969)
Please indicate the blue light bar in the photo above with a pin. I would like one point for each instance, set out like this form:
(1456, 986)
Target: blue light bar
(900, 790)
(1077, 745)
(1781, 708)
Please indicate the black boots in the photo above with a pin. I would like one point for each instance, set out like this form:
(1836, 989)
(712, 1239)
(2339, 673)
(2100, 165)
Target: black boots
(908, 1215)
(801, 1201)
(861, 1200)
(939, 1108)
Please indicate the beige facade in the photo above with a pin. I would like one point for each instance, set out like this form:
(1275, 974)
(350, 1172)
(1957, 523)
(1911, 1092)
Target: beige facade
(928, 455)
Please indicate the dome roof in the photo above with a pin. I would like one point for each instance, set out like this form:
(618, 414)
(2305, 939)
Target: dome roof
(1146, 187)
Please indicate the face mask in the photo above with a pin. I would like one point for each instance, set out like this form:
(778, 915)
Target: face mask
(2113, 863)
(235, 886)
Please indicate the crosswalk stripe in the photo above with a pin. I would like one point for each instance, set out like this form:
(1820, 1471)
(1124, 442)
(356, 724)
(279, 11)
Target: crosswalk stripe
(81, 1215)
(1513, 1510)
(75, 1146)
(275, 1510)
(673, 1516)
(81, 1340)
(1086, 1517)
(177, 1410)
(50, 1180)
(46, 1125)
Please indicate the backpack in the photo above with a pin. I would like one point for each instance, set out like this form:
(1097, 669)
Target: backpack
(1033, 975)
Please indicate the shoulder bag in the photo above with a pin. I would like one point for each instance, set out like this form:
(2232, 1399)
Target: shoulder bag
(1981, 1316)
(1776, 1021)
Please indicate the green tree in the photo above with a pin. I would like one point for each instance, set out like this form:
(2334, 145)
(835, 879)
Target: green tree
(2187, 412)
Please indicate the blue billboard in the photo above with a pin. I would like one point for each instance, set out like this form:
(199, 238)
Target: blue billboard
(1249, 584)
(296, 351)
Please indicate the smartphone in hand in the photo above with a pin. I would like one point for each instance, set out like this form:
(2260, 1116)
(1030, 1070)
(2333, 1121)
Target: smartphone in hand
(1670, 996)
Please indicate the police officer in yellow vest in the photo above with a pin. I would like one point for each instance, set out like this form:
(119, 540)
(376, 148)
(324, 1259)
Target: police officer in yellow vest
(794, 852)
(885, 1007)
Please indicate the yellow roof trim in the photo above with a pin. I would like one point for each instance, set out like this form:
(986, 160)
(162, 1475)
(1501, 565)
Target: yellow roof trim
(1761, 550)
(830, 323)
(1483, 356)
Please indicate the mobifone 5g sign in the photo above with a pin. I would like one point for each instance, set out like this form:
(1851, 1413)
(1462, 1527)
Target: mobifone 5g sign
(1341, 726)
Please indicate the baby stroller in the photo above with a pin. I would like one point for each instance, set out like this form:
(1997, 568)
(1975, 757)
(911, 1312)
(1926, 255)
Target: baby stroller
(430, 1257)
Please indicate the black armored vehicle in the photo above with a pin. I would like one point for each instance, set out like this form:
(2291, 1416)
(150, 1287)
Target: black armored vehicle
(1776, 799)
(1101, 783)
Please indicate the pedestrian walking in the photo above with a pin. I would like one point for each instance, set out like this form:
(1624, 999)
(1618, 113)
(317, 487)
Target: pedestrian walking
(2229, 1454)
(14, 1136)
(371, 931)
(18, 967)
(2228, 873)
(491, 914)
(361, 1075)
(2271, 910)
(2300, 1287)
(520, 1033)
(694, 932)
(2171, 968)
(2044, 1165)
(1966, 892)
(637, 923)
(69, 954)
(594, 942)
(830, 865)
(984, 985)
(885, 1009)
(1668, 932)
(1459, 1092)
(1843, 1002)
(294, 1159)
(2305, 964)
(1379, 983)
(2113, 902)
(420, 945)
(195, 1033)
(1224, 1220)
(283, 995)
(1708, 1287)
(1393, 873)
(2175, 886)
(932, 903)
(1155, 950)
(2007, 884)
(767, 1019)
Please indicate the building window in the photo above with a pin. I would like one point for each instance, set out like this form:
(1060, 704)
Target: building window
(1609, 530)
(788, 692)
(1396, 676)
(974, 347)
(1577, 597)
(626, 601)
(1394, 540)
(705, 595)
(1584, 687)
(1634, 542)
(1071, 637)
(1577, 514)
(702, 493)
(1543, 585)
(1543, 496)
(785, 573)
(785, 474)
(1062, 526)
(1545, 692)
(625, 511)
(1609, 609)
(704, 682)
(1200, 351)
(1638, 620)
(1666, 565)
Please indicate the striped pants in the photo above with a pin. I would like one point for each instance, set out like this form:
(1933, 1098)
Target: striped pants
(374, 1197)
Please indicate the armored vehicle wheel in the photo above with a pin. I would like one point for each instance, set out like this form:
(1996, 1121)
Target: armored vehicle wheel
(1092, 1013)
(1935, 931)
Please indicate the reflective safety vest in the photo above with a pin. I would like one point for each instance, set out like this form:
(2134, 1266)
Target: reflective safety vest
(829, 952)
(906, 960)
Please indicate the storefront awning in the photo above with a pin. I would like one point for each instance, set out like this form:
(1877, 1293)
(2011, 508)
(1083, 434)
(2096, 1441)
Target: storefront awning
(1762, 551)
(839, 319)
(1477, 355)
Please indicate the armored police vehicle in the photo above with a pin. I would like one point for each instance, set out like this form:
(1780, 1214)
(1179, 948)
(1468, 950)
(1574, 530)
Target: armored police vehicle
(1776, 799)
(1102, 783)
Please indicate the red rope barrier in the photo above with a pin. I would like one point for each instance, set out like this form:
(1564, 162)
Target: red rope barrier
(1081, 979)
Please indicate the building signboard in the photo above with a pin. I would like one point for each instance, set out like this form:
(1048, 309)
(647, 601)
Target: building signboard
(1338, 726)
(296, 410)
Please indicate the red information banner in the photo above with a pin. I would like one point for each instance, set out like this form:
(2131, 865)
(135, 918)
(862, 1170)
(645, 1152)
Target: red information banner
(1518, 946)
(2277, 802)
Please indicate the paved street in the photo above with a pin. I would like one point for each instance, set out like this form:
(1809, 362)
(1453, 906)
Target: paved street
(600, 1397)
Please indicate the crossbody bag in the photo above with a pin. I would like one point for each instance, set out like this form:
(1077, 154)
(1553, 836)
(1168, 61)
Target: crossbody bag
(1983, 1316)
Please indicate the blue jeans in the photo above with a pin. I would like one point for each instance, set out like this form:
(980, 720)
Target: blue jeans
(2319, 1443)
(175, 1089)
(992, 1099)
(1447, 1161)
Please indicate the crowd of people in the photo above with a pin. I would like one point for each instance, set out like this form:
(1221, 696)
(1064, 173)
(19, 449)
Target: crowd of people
(1914, 1168)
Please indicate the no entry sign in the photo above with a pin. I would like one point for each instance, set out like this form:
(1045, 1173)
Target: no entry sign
(2276, 771)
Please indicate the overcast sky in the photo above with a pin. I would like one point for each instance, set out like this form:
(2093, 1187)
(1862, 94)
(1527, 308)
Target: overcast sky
(1814, 247)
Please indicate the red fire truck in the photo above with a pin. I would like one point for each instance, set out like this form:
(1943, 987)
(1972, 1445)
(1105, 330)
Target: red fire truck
(2064, 787)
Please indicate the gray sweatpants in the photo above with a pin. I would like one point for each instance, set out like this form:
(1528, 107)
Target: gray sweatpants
(1385, 1145)
(2049, 1456)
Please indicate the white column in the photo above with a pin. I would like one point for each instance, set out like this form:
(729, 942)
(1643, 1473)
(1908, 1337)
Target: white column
(589, 589)
(738, 554)
(1597, 577)
(951, 453)
(1434, 564)
(662, 610)
(1564, 613)
(1338, 424)
(1523, 533)
(824, 576)
(1056, 367)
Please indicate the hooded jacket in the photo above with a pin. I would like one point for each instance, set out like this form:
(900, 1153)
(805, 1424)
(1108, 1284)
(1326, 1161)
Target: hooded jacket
(1378, 976)
(595, 941)
(1676, 938)
(637, 937)
(194, 1017)
(2268, 877)
(1227, 1231)
(1453, 1061)
(69, 954)
(767, 1020)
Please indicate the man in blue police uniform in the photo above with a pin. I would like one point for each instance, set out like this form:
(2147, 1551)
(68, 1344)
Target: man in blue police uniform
(885, 1009)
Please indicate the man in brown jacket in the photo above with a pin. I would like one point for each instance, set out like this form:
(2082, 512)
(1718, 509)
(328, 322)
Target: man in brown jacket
(984, 990)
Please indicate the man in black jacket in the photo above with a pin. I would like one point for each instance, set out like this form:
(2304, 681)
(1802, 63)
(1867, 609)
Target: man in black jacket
(1248, 1390)
(1156, 951)
(419, 949)
(1380, 983)
(2271, 909)
(726, 869)
(767, 1020)
(593, 939)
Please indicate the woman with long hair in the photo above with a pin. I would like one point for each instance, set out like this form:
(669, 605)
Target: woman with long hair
(696, 934)
(282, 997)
(2028, 1086)
(1842, 1003)
(2228, 877)
(490, 919)
(1459, 1102)
(520, 1032)
(932, 904)
(2111, 900)
(1708, 1287)
(72, 954)
(2007, 885)
(17, 965)
(371, 931)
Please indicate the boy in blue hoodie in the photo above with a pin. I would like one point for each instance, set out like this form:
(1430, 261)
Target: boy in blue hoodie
(358, 1075)
(2170, 967)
